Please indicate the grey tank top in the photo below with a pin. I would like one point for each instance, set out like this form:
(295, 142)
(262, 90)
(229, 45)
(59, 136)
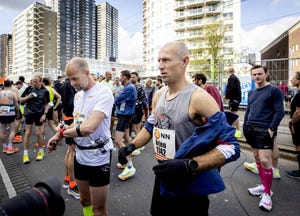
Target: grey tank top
(174, 114)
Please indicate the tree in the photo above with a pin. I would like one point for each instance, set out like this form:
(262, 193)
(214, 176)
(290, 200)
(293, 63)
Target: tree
(212, 36)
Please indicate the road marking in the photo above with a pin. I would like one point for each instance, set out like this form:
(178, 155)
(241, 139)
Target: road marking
(7, 182)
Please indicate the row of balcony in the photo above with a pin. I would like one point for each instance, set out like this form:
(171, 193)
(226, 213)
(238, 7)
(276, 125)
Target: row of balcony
(195, 3)
(199, 12)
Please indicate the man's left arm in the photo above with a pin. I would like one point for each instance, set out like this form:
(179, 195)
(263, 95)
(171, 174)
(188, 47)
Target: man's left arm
(278, 108)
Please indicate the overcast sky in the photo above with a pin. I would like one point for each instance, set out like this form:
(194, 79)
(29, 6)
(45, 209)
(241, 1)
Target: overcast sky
(261, 20)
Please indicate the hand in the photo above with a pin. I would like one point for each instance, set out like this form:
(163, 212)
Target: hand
(172, 169)
(56, 138)
(125, 151)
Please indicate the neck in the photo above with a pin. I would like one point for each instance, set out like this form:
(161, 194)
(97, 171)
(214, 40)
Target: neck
(176, 87)
(91, 84)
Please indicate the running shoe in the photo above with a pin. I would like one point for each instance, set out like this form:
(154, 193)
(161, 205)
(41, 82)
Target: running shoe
(276, 174)
(17, 139)
(36, 145)
(40, 156)
(66, 184)
(127, 173)
(142, 148)
(12, 150)
(265, 202)
(238, 134)
(5, 149)
(74, 192)
(120, 166)
(252, 167)
(26, 159)
(136, 152)
(293, 174)
(258, 190)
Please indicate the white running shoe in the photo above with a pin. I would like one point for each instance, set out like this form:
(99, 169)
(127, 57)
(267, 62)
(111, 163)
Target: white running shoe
(128, 172)
(258, 190)
(136, 152)
(252, 167)
(265, 202)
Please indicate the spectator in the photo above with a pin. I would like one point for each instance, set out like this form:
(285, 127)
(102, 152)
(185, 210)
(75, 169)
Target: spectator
(295, 124)
(262, 118)
(234, 95)
(149, 90)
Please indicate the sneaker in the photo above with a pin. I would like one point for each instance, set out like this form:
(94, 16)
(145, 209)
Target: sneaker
(120, 166)
(17, 139)
(238, 134)
(40, 156)
(276, 174)
(127, 173)
(66, 184)
(5, 149)
(265, 202)
(26, 159)
(36, 145)
(293, 174)
(74, 192)
(258, 190)
(136, 152)
(252, 167)
(12, 150)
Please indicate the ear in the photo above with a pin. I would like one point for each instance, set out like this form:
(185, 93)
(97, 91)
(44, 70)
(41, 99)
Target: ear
(185, 61)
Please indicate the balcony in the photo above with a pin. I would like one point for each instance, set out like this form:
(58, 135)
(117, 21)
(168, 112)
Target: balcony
(194, 3)
(199, 12)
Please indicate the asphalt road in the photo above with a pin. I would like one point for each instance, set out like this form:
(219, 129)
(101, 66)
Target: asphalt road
(133, 197)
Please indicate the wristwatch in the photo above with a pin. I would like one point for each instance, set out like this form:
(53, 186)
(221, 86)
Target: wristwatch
(193, 165)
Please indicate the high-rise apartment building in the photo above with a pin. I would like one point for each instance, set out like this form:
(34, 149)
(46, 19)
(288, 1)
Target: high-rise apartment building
(5, 54)
(107, 32)
(34, 42)
(76, 29)
(185, 20)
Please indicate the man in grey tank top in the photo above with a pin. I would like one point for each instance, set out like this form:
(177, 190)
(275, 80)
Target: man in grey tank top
(191, 140)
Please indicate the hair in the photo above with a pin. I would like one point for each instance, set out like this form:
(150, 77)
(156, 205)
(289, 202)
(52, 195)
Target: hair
(297, 75)
(135, 73)
(38, 76)
(159, 80)
(22, 79)
(126, 73)
(19, 82)
(148, 80)
(230, 70)
(259, 66)
(81, 63)
(200, 76)
(59, 77)
(7, 83)
(46, 81)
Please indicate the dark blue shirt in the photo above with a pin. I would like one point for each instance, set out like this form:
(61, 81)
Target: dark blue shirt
(265, 107)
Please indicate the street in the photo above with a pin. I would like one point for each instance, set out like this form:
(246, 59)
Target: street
(133, 197)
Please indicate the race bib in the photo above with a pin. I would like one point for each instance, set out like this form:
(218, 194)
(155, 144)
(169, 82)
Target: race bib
(164, 143)
(4, 109)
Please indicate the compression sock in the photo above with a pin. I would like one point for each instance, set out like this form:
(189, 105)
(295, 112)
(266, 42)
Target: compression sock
(259, 168)
(267, 175)
(87, 211)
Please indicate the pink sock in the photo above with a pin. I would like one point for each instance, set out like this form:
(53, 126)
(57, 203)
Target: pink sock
(267, 176)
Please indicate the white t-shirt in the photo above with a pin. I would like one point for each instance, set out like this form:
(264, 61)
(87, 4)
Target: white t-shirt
(98, 98)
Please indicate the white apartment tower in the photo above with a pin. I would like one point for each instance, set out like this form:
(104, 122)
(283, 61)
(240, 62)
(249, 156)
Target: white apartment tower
(107, 32)
(34, 41)
(183, 20)
(76, 29)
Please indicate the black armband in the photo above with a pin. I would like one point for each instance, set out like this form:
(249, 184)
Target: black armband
(78, 131)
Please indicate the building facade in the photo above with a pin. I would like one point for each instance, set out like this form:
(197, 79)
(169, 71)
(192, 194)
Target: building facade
(34, 42)
(76, 29)
(5, 54)
(282, 55)
(107, 32)
(185, 20)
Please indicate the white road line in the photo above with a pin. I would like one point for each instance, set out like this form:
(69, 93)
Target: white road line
(7, 182)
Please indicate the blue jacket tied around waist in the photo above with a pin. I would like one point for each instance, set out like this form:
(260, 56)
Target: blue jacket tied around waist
(216, 131)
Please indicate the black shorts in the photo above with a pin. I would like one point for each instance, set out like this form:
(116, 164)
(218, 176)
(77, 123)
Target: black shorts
(138, 116)
(259, 137)
(191, 204)
(49, 115)
(113, 111)
(7, 119)
(33, 118)
(123, 122)
(97, 176)
(296, 135)
(234, 105)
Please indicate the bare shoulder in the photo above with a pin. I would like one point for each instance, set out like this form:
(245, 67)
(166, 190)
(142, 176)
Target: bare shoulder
(203, 104)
